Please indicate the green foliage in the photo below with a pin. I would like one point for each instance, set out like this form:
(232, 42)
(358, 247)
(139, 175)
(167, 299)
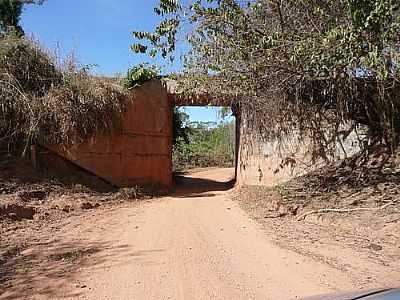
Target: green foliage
(209, 145)
(374, 16)
(180, 126)
(224, 112)
(139, 75)
(162, 40)
(317, 69)
(10, 15)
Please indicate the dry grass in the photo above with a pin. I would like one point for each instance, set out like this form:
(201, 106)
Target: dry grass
(41, 102)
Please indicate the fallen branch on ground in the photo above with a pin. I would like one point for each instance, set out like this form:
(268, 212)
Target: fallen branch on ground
(393, 221)
(334, 210)
(276, 216)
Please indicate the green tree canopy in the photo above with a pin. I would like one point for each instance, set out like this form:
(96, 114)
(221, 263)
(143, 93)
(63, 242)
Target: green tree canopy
(314, 68)
(10, 14)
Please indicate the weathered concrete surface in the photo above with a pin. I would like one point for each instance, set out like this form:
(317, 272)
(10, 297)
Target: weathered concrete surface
(258, 166)
(141, 152)
(257, 161)
(271, 163)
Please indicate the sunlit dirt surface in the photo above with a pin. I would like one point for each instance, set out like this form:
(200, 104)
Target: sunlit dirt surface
(195, 244)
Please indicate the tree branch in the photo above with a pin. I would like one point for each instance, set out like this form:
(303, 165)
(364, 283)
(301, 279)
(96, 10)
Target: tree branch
(328, 210)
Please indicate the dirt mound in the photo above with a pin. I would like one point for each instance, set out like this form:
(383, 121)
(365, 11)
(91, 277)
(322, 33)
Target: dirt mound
(27, 194)
(358, 184)
(378, 169)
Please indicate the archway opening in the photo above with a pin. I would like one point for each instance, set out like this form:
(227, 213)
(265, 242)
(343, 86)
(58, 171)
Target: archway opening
(204, 154)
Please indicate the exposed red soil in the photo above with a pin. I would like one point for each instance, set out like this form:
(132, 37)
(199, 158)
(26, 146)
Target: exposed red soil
(195, 244)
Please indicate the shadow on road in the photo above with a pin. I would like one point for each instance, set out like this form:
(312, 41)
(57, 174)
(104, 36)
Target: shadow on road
(192, 187)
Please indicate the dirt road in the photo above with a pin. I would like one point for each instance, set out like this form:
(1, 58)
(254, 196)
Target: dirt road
(196, 244)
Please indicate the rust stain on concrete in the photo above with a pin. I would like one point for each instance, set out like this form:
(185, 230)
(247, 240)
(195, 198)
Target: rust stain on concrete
(141, 153)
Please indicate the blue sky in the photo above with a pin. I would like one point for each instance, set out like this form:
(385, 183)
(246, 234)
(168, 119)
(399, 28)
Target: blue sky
(98, 32)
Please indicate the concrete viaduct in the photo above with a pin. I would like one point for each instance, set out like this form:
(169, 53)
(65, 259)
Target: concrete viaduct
(141, 152)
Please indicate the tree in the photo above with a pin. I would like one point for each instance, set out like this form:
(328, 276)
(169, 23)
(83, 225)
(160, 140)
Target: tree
(317, 69)
(209, 145)
(180, 126)
(10, 14)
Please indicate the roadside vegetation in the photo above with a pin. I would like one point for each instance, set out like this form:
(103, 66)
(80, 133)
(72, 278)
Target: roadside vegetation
(42, 100)
(46, 102)
(305, 73)
(203, 144)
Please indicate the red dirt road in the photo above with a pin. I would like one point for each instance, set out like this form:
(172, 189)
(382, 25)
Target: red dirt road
(196, 244)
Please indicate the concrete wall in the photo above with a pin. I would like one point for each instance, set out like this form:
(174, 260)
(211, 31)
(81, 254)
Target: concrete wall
(258, 164)
(270, 163)
(141, 152)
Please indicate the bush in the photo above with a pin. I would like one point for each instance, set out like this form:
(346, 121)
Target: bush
(207, 146)
(139, 75)
(41, 102)
(25, 63)
(80, 108)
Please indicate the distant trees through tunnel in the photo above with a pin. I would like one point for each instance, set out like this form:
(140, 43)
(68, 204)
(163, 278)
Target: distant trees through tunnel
(203, 137)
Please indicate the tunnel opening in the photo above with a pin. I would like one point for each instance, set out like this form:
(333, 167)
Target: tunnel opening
(205, 148)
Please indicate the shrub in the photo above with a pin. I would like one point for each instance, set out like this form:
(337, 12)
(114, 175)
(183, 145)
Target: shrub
(81, 108)
(207, 146)
(139, 75)
(25, 63)
(41, 102)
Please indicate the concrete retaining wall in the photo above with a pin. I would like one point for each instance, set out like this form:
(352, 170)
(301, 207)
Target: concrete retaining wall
(141, 152)
(270, 163)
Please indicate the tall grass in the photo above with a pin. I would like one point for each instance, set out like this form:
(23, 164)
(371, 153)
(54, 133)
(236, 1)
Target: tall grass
(41, 101)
